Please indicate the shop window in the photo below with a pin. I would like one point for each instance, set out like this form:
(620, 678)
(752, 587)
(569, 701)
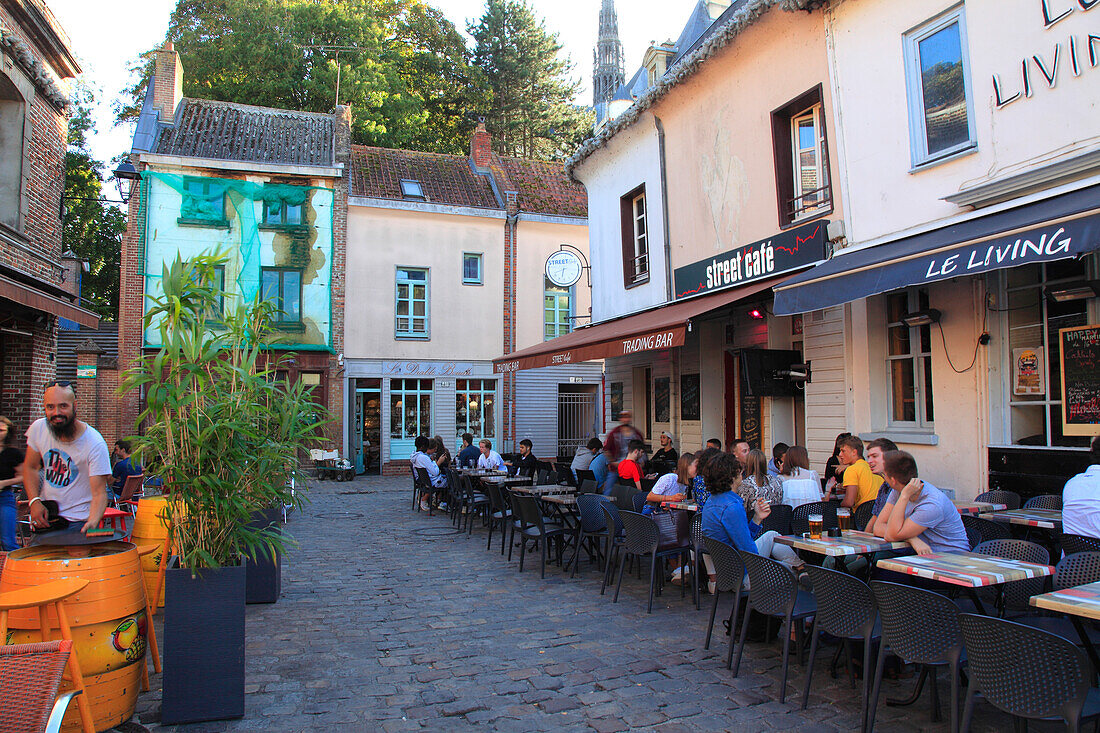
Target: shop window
(1034, 381)
(635, 236)
(557, 310)
(203, 203)
(471, 268)
(909, 362)
(801, 159)
(410, 408)
(282, 289)
(941, 119)
(411, 303)
(475, 408)
(12, 121)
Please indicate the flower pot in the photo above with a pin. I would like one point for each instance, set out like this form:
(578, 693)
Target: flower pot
(203, 645)
(265, 572)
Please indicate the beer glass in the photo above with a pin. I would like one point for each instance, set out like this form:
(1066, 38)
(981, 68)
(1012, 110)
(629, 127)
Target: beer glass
(816, 521)
(844, 519)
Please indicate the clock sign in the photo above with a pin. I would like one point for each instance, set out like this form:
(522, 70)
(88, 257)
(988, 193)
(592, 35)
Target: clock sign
(563, 269)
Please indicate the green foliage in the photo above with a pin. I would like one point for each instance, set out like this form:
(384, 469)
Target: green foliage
(221, 430)
(409, 82)
(532, 113)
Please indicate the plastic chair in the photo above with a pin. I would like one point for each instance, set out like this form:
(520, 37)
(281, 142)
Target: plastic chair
(729, 577)
(845, 610)
(623, 496)
(1074, 543)
(1027, 673)
(29, 677)
(591, 526)
(698, 574)
(533, 526)
(132, 490)
(565, 474)
(638, 500)
(985, 529)
(920, 627)
(779, 520)
(1015, 595)
(614, 541)
(862, 514)
(1044, 501)
(586, 474)
(774, 591)
(473, 502)
(641, 539)
(827, 509)
(588, 486)
(1009, 498)
(499, 513)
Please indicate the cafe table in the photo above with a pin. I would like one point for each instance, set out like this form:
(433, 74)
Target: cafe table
(508, 480)
(978, 507)
(480, 472)
(542, 490)
(851, 542)
(564, 506)
(1040, 518)
(687, 506)
(968, 570)
(1082, 601)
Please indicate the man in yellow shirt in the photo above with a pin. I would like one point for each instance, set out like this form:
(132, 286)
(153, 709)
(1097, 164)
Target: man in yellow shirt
(859, 483)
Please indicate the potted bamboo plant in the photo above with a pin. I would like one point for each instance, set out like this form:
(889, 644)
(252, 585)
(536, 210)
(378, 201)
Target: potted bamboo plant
(225, 435)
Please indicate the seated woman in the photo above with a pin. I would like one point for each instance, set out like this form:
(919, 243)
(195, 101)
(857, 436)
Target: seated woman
(699, 491)
(801, 484)
(673, 486)
(757, 484)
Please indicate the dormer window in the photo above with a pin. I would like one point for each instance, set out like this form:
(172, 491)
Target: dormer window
(411, 189)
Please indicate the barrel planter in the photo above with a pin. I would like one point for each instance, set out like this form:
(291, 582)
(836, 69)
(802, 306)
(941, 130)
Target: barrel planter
(108, 621)
(265, 571)
(150, 528)
(203, 647)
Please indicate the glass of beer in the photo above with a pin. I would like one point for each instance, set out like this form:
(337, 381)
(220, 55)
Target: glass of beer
(816, 521)
(844, 519)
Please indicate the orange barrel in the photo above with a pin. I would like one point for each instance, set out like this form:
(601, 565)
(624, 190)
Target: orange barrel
(150, 528)
(108, 621)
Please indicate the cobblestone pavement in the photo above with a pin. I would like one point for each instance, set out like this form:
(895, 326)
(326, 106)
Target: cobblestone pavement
(391, 621)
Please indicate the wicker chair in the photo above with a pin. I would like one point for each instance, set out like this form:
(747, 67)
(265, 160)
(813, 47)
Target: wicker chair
(729, 572)
(592, 526)
(827, 509)
(779, 520)
(1027, 673)
(641, 539)
(473, 502)
(1074, 543)
(638, 500)
(1044, 501)
(1009, 498)
(932, 642)
(1014, 596)
(29, 677)
(614, 539)
(984, 529)
(533, 526)
(862, 515)
(500, 513)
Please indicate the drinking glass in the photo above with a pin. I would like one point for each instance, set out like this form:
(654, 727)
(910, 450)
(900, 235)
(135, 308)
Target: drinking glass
(816, 521)
(844, 519)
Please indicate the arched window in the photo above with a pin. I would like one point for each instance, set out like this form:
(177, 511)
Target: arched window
(12, 118)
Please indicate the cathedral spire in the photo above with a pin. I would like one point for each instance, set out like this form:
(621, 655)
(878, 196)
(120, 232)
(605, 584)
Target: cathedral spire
(607, 59)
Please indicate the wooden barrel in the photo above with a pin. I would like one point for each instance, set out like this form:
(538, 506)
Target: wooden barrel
(108, 621)
(150, 528)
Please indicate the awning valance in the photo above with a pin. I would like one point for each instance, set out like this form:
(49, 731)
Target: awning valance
(1043, 231)
(653, 330)
(38, 300)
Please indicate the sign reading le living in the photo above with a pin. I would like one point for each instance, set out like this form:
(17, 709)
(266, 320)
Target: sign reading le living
(789, 250)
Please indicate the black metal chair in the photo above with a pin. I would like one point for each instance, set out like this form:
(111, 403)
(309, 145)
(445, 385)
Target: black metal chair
(1009, 498)
(425, 488)
(592, 526)
(565, 474)
(533, 526)
(729, 574)
(1027, 673)
(699, 568)
(545, 476)
(973, 534)
(1074, 543)
(827, 509)
(984, 529)
(845, 611)
(1015, 595)
(473, 502)
(920, 627)
(623, 496)
(585, 474)
(1045, 501)
(774, 591)
(638, 501)
(1080, 568)
(613, 541)
(779, 520)
(641, 539)
(499, 513)
(862, 515)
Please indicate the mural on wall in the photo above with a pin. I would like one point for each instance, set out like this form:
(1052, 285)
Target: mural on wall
(723, 177)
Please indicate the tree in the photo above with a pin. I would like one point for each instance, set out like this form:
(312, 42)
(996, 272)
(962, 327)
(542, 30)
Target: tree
(90, 227)
(532, 113)
(408, 76)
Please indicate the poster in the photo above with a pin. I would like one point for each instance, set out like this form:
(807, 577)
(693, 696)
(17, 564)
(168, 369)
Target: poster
(1028, 371)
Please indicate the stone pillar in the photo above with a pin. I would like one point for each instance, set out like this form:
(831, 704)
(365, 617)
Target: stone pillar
(87, 388)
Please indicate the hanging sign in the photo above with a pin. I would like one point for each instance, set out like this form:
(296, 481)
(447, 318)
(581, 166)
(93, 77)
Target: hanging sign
(563, 269)
(1028, 368)
(86, 372)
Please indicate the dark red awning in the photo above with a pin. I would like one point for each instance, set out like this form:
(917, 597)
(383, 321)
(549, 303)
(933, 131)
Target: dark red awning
(32, 298)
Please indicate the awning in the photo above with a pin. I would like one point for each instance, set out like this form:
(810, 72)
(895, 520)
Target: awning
(36, 299)
(1043, 231)
(653, 330)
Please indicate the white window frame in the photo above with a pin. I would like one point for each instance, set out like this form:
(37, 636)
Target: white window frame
(918, 134)
(412, 333)
(640, 237)
(480, 272)
(922, 361)
(548, 290)
(823, 199)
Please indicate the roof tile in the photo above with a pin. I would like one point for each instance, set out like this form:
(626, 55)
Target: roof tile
(445, 179)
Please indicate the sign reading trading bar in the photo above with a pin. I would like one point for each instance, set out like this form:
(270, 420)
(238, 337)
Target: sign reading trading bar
(789, 250)
(663, 339)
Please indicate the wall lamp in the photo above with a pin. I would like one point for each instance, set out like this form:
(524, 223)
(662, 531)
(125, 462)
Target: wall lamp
(925, 317)
(1077, 290)
(126, 178)
(756, 314)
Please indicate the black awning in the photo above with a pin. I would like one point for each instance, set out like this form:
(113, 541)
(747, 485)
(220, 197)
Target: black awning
(1043, 231)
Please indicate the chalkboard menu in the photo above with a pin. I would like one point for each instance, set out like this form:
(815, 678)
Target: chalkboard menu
(750, 420)
(689, 397)
(1080, 380)
(660, 399)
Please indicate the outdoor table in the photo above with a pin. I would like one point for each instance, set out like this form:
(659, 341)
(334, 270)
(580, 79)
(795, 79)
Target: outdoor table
(978, 507)
(508, 480)
(564, 506)
(968, 570)
(544, 489)
(1082, 601)
(1041, 518)
(851, 542)
(481, 472)
(687, 506)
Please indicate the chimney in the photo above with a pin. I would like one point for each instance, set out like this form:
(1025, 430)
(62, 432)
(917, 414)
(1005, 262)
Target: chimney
(167, 82)
(481, 151)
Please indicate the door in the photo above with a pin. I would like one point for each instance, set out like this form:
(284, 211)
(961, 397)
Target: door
(367, 431)
(576, 417)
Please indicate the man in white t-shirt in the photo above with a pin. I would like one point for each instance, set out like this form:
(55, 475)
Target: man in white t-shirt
(67, 461)
(489, 458)
(1081, 499)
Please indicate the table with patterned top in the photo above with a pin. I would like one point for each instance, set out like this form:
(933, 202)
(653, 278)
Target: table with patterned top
(687, 506)
(978, 507)
(851, 543)
(1082, 601)
(1040, 518)
(543, 490)
(508, 480)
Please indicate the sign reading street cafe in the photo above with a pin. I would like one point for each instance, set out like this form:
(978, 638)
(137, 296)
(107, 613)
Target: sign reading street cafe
(789, 250)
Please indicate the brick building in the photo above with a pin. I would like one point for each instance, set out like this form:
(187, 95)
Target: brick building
(268, 187)
(36, 65)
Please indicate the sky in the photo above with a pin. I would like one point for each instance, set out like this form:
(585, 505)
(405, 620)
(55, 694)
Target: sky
(106, 48)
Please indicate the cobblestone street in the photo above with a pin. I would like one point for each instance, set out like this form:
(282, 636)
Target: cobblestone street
(390, 620)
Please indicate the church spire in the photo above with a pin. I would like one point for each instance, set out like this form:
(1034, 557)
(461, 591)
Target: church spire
(607, 59)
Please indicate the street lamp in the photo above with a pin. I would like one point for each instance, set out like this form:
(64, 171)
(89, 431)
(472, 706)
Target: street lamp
(126, 177)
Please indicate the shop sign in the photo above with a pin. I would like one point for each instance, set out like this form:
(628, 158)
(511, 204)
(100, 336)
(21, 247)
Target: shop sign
(427, 369)
(653, 341)
(86, 372)
(1073, 55)
(783, 252)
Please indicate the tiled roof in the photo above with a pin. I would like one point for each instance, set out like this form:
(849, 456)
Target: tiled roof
(544, 188)
(205, 128)
(445, 179)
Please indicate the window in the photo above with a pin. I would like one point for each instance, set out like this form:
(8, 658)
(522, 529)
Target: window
(909, 362)
(12, 122)
(938, 76)
(801, 150)
(411, 303)
(471, 268)
(410, 408)
(203, 203)
(282, 288)
(219, 283)
(412, 190)
(557, 309)
(475, 408)
(635, 234)
(1033, 321)
(280, 213)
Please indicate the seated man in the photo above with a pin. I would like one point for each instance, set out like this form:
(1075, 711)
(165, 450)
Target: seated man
(859, 484)
(1081, 498)
(775, 465)
(124, 467)
(664, 460)
(601, 469)
(628, 467)
(876, 453)
(582, 459)
(489, 458)
(422, 459)
(917, 512)
(526, 464)
(468, 454)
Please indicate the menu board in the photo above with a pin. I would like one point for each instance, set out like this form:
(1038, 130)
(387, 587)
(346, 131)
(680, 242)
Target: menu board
(1080, 361)
(689, 396)
(660, 399)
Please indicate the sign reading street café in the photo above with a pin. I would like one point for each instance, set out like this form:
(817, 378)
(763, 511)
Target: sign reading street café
(783, 252)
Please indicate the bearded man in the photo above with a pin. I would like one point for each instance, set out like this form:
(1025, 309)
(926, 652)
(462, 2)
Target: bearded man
(67, 462)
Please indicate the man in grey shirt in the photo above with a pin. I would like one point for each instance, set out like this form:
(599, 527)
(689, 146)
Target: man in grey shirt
(917, 512)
